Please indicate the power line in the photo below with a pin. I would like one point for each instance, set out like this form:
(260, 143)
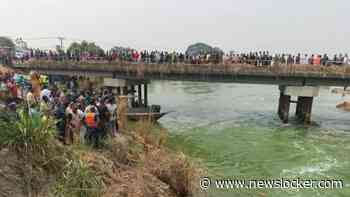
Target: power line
(60, 39)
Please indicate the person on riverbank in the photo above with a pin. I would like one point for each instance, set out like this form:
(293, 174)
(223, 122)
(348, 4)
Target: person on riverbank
(73, 124)
(44, 106)
(91, 122)
(30, 98)
(112, 124)
(59, 114)
(11, 86)
(103, 123)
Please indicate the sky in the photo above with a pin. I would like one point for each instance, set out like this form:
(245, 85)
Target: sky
(306, 26)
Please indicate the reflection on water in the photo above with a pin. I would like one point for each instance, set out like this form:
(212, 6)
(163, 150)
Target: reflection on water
(235, 130)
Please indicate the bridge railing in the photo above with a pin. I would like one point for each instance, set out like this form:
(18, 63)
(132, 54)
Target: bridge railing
(141, 69)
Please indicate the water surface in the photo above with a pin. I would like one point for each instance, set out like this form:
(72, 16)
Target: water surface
(235, 130)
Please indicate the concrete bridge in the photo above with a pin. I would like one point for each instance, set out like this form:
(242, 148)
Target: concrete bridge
(299, 81)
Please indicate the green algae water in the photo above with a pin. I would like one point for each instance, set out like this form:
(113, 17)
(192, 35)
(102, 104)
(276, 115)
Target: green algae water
(234, 129)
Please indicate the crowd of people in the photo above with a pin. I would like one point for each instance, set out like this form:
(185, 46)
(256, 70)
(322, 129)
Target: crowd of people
(125, 54)
(265, 59)
(81, 113)
(262, 58)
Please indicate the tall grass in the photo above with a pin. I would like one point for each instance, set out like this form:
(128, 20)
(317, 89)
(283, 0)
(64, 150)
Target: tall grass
(147, 134)
(32, 139)
(78, 181)
(180, 172)
(27, 133)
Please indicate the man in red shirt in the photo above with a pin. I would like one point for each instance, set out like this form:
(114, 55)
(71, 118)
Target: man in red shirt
(317, 60)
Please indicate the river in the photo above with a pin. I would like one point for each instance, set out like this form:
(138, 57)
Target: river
(234, 129)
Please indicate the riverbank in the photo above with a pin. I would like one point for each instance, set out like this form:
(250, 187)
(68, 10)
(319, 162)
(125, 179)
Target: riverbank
(135, 163)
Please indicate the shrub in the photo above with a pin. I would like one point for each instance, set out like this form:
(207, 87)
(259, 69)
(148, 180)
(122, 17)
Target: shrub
(32, 140)
(27, 133)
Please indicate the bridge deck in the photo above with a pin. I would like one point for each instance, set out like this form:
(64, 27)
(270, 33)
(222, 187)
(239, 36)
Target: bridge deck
(238, 73)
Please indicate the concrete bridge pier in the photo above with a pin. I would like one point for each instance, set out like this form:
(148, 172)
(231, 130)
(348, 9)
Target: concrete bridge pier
(139, 93)
(304, 95)
(283, 107)
(145, 92)
(304, 109)
(125, 90)
(135, 89)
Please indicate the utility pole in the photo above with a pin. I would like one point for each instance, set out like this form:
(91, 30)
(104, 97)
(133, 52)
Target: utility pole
(61, 41)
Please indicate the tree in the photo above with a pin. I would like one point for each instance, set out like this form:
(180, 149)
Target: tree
(6, 43)
(203, 49)
(7, 50)
(7, 46)
(74, 48)
(59, 50)
(83, 47)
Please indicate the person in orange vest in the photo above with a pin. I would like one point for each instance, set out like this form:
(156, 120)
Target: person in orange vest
(91, 122)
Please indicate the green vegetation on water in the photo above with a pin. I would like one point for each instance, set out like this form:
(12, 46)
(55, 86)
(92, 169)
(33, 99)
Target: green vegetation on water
(234, 129)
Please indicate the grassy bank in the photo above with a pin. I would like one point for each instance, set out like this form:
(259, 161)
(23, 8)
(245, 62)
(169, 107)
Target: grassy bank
(135, 163)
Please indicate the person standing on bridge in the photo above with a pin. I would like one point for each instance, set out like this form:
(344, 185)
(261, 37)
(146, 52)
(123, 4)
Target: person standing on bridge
(346, 60)
(303, 59)
(297, 59)
(324, 60)
(316, 60)
(311, 59)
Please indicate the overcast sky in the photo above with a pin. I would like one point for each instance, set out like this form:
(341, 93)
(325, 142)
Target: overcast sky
(277, 25)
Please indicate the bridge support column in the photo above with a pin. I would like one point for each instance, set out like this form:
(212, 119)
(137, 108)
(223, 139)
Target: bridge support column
(139, 94)
(133, 102)
(305, 95)
(283, 107)
(125, 91)
(304, 109)
(299, 107)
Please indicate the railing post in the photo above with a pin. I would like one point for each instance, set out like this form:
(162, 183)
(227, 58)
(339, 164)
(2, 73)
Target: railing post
(145, 89)
(139, 94)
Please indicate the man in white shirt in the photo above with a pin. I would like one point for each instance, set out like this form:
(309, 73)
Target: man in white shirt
(45, 92)
(112, 124)
(304, 60)
(346, 60)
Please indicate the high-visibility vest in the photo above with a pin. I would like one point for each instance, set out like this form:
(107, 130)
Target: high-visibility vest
(90, 120)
